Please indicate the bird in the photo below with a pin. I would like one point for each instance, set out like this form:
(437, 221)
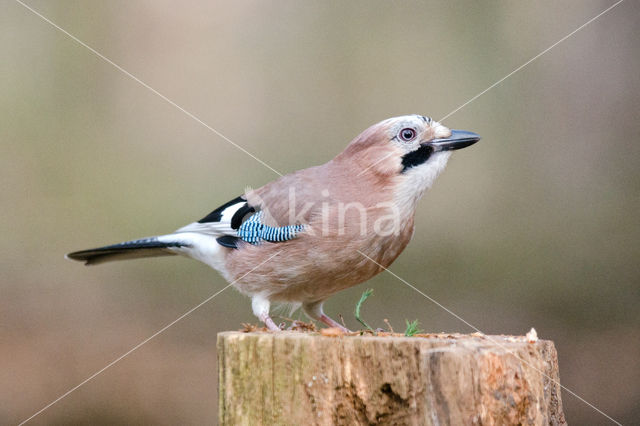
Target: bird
(309, 234)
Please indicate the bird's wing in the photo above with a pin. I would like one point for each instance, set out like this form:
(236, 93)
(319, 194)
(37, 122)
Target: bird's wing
(238, 220)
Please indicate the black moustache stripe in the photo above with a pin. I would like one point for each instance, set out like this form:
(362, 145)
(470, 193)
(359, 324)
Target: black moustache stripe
(417, 157)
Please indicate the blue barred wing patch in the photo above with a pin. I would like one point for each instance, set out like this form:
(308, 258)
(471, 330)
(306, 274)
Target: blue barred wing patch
(254, 231)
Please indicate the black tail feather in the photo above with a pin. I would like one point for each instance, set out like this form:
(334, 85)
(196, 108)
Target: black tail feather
(145, 247)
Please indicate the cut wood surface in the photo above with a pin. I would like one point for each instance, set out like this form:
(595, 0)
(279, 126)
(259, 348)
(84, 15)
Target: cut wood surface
(296, 378)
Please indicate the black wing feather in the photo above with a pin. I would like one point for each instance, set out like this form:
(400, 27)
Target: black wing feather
(216, 215)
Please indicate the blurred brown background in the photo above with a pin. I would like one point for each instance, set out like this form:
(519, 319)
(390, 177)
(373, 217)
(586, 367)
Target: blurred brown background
(537, 225)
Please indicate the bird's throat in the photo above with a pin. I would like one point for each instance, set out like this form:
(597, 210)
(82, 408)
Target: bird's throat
(417, 157)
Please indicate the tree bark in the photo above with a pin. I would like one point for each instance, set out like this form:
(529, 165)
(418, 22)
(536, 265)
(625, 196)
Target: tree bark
(293, 378)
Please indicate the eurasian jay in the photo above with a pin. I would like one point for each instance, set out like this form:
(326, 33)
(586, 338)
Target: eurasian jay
(309, 234)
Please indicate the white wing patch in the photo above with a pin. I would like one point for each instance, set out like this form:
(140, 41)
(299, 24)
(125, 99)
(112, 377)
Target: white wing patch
(220, 223)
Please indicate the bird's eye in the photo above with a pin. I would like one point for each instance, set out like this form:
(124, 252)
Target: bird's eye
(407, 134)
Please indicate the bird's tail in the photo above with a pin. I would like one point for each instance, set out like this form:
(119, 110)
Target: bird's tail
(146, 247)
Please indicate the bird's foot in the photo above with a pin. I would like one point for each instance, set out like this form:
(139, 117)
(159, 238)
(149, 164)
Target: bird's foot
(266, 319)
(332, 323)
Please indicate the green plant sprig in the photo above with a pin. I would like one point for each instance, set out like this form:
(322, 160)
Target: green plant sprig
(368, 292)
(413, 328)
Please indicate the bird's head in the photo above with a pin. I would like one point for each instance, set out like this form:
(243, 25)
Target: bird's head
(399, 144)
(411, 150)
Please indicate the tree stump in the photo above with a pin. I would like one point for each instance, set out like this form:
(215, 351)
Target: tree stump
(295, 378)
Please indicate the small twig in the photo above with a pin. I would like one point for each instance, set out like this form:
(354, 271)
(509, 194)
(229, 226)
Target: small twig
(342, 320)
(386, 321)
(364, 297)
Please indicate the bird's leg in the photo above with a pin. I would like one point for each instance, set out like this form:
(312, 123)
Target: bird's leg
(260, 306)
(314, 310)
(266, 319)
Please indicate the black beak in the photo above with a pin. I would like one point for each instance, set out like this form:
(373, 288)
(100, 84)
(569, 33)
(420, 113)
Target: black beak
(458, 139)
